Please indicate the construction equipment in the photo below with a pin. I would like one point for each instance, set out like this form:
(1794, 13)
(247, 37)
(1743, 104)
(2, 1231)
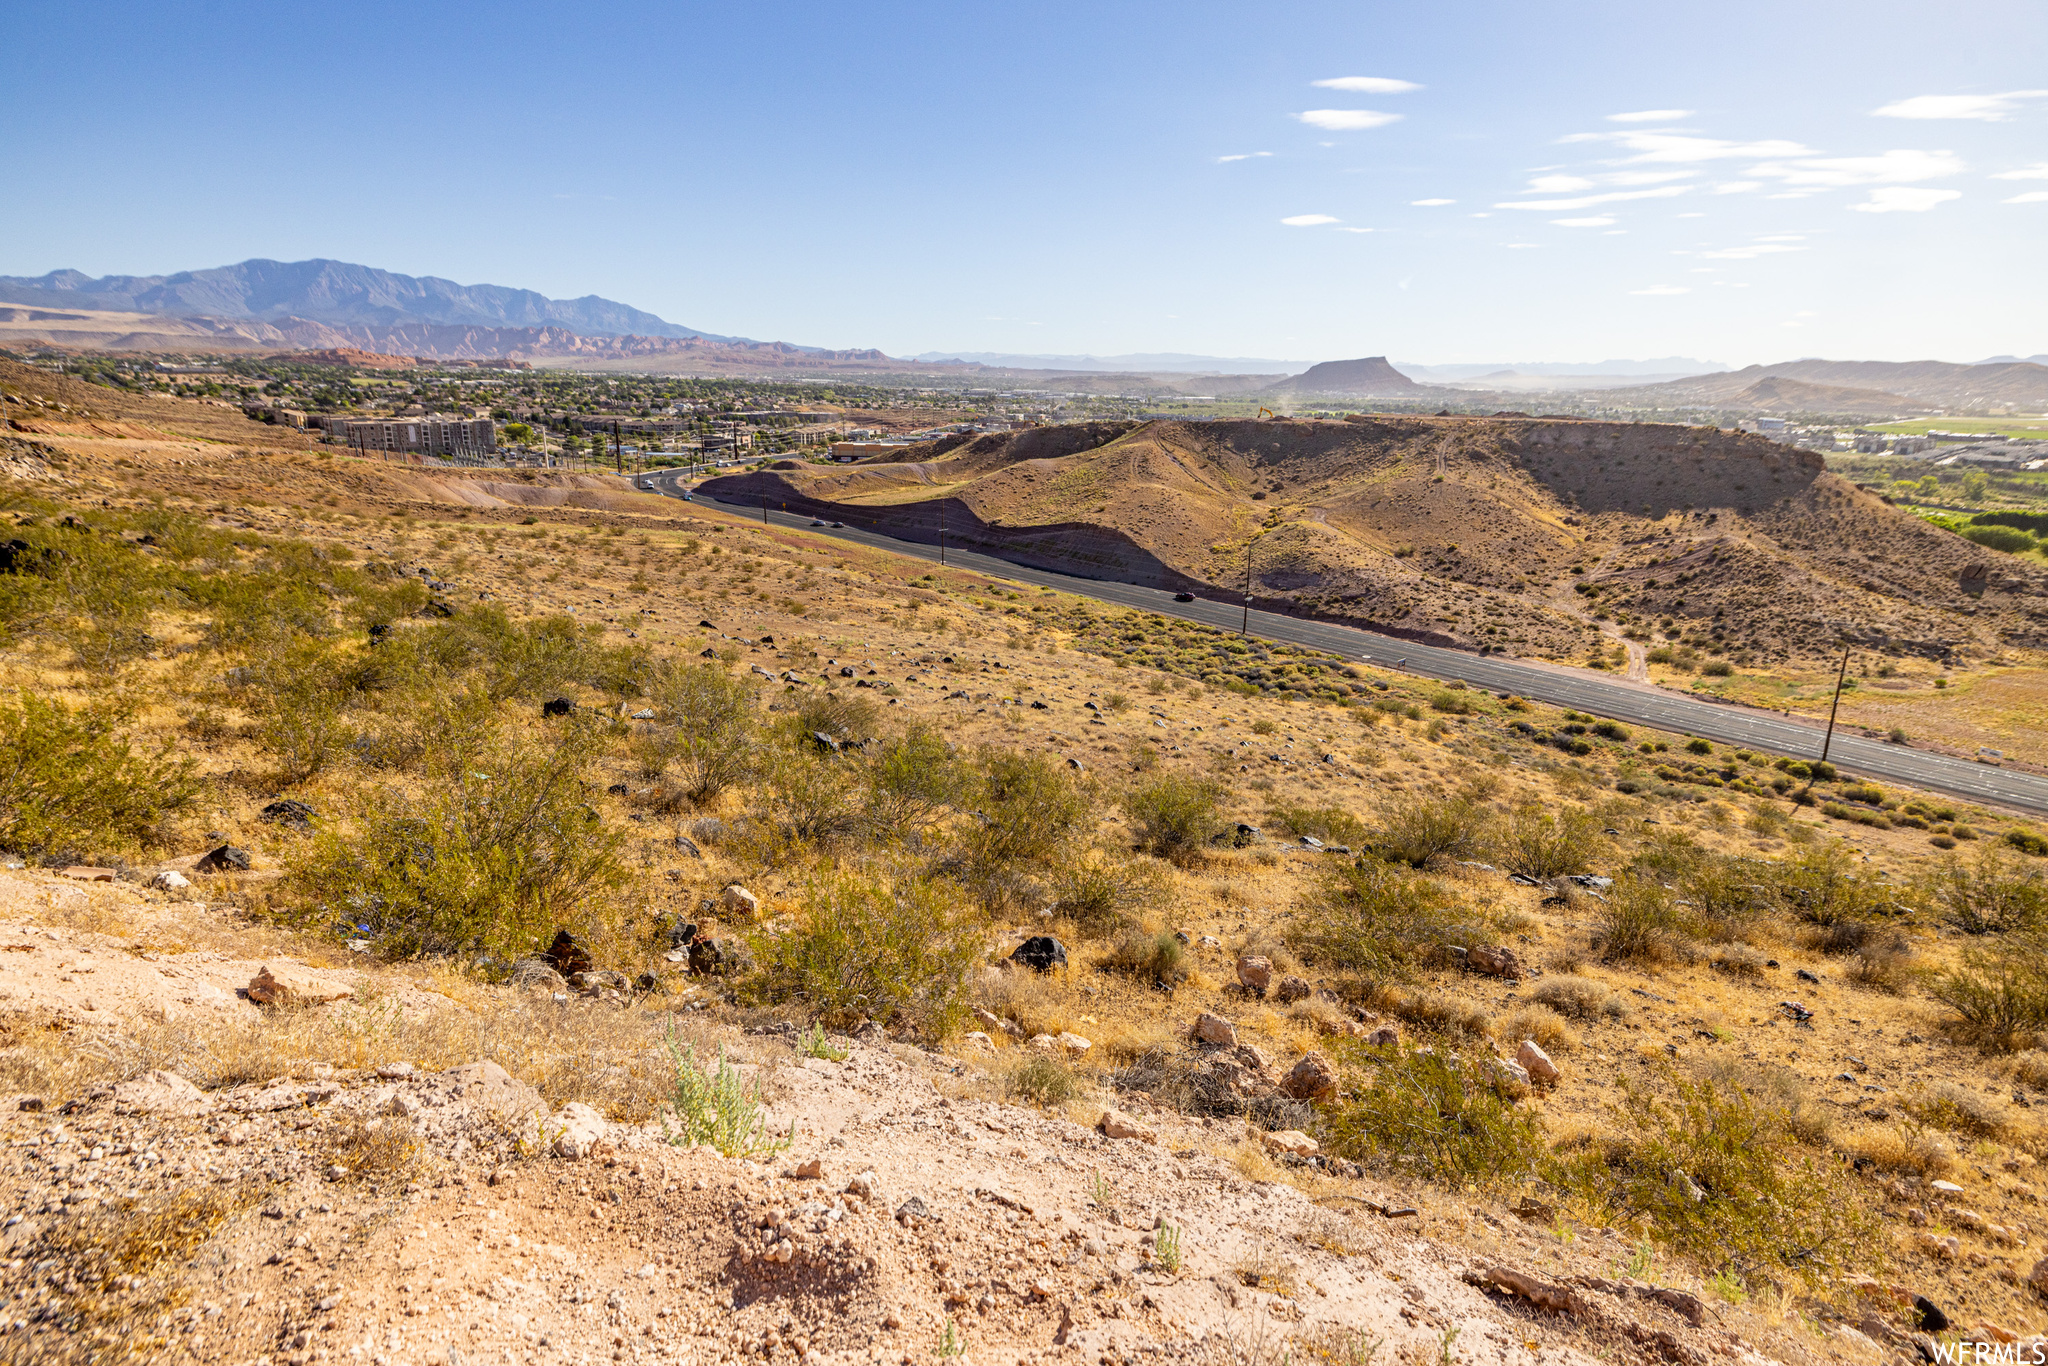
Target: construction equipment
(1265, 412)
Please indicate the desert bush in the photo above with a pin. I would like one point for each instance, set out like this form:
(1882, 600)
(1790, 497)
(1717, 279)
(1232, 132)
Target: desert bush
(1541, 844)
(1989, 893)
(810, 798)
(1549, 1029)
(1100, 892)
(1778, 1090)
(1450, 703)
(1444, 1117)
(1041, 1079)
(2031, 1068)
(2011, 540)
(1715, 1173)
(914, 781)
(1725, 900)
(1959, 1111)
(1737, 960)
(1820, 886)
(1174, 816)
(496, 851)
(1373, 921)
(1999, 990)
(1420, 829)
(69, 784)
(1883, 965)
(2026, 841)
(869, 945)
(718, 1108)
(1154, 958)
(841, 714)
(1906, 1150)
(1639, 923)
(711, 740)
(1330, 824)
(1436, 1011)
(1581, 998)
(1029, 814)
(300, 687)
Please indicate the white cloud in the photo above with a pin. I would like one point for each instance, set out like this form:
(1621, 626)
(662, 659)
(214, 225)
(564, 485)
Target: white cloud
(1664, 289)
(1346, 120)
(2030, 197)
(1905, 199)
(1357, 230)
(1750, 252)
(2037, 171)
(1520, 246)
(1688, 215)
(1308, 220)
(1688, 148)
(1738, 186)
(1430, 203)
(1987, 108)
(1651, 116)
(1244, 156)
(1590, 200)
(1782, 237)
(1603, 221)
(1369, 85)
(1557, 184)
(1898, 166)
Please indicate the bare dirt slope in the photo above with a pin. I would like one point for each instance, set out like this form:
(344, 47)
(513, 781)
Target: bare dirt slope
(1459, 530)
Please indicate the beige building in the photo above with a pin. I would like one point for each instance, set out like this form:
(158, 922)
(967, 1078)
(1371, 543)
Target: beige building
(429, 435)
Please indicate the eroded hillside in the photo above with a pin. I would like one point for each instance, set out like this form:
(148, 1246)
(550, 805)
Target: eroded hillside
(1549, 537)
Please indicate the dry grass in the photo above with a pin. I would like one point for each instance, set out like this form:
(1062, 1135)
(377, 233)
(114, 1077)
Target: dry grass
(1949, 1107)
(1904, 1150)
(1581, 998)
(1549, 1029)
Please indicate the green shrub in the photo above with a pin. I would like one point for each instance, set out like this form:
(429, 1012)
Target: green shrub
(1419, 829)
(2009, 540)
(69, 784)
(1999, 991)
(1029, 813)
(1330, 824)
(811, 798)
(1820, 887)
(870, 946)
(1715, 1173)
(718, 1108)
(1443, 1116)
(842, 715)
(1042, 1079)
(2026, 841)
(1372, 921)
(1174, 816)
(1099, 892)
(1611, 730)
(914, 780)
(1451, 703)
(1988, 894)
(709, 735)
(1151, 958)
(1541, 844)
(1698, 746)
(1639, 922)
(497, 852)
(1717, 668)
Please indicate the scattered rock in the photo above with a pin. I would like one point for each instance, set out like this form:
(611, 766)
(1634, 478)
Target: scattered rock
(288, 812)
(1254, 974)
(812, 1170)
(1074, 1044)
(83, 873)
(557, 706)
(990, 1020)
(720, 958)
(1383, 1037)
(1117, 1124)
(225, 859)
(1536, 1063)
(912, 1212)
(687, 846)
(294, 986)
(2038, 1278)
(864, 1186)
(567, 955)
(1040, 953)
(170, 880)
(1213, 1028)
(1513, 1073)
(738, 901)
(578, 1129)
(1292, 989)
(979, 1043)
(1291, 1141)
(1556, 1298)
(159, 1092)
(1312, 1078)
(1495, 962)
(1928, 1316)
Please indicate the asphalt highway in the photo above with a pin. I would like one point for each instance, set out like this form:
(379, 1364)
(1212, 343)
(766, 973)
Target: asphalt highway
(1615, 699)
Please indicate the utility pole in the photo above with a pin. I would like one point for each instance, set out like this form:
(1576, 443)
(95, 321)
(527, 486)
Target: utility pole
(942, 531)
(1840, 674)
(1245, 629)
(618, 450)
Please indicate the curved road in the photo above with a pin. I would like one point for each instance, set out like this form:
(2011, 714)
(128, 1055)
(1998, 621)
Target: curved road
(1642, 704)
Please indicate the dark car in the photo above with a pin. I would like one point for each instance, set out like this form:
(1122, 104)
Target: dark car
(839, 526)
(816, 522)
(1183, 597)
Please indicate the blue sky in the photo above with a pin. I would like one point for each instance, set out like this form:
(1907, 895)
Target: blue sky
(1452, 182)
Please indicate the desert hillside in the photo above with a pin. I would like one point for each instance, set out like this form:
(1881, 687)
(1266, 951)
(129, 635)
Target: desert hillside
(443, 921)
(1558, 538)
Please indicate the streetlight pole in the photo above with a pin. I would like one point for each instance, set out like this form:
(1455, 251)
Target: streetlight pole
(1245, 629)
(942, 532)
(1840, 674)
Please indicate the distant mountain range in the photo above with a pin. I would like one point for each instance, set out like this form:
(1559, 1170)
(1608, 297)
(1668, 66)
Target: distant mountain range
(1914, 384)
(1137, 363)
(1662, 367)
(339, 294)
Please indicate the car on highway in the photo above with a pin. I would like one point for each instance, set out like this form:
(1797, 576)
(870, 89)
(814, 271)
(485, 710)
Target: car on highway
(1183, 597)
(646, 483)
(817, 521)
(839, 526)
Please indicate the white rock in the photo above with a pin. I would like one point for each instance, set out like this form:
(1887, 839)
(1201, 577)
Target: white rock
(1117, 1124)
(1074, 1043)
(737, 900)
(1213, 1028)
(1536, 1062)
(159, 1093)
(578, 1130)
(1948, 1187)
(1255, 973)
(170, 880)
(1290, 1141)
(290, 985)
(980, 1043)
